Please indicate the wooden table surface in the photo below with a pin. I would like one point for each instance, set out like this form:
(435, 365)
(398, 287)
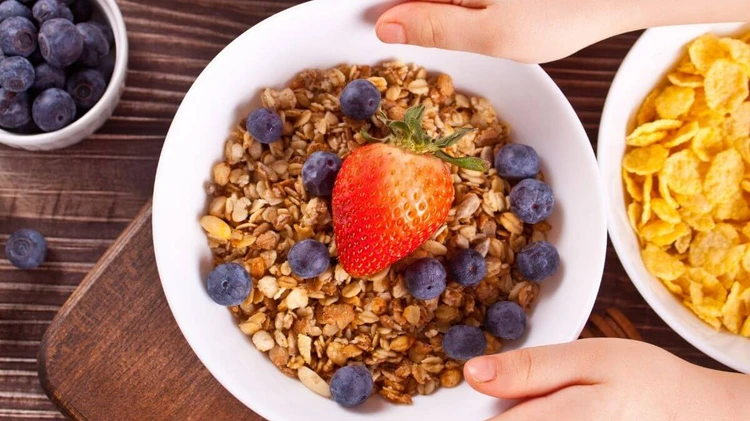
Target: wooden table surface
(82, 197)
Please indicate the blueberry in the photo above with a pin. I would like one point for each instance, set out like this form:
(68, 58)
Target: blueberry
(532, 201)
(10, 8)
(36, 57)
(28, 128)
(15, 110)
(351, 385)
(506, 320)
(309, 258)
(16, 74)
(48, 77)
(60, 42)
(229, 284)
(17, 36)
(107, 31)
(515, 161)
(265, 125)
(319, 173)
(463, 342)
(537, 261)
(95, 45)
(359, 99)
(425, 278)
(107, 67)
(26, 249)
(86, 87)
(45, 10)
(468, 267)
(53, 109)
(82, 10)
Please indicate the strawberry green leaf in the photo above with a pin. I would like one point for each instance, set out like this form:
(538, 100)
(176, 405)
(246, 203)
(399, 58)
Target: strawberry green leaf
(413, 119)
(369, 138)
(468, 163)
(452, 139)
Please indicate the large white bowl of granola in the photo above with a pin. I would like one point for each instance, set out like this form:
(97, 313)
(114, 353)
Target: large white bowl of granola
(231, 204)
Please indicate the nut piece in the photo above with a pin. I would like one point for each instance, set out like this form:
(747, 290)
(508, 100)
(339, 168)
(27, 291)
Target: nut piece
(263, 341)
(314, 382)
(216, 227)
(450, 378)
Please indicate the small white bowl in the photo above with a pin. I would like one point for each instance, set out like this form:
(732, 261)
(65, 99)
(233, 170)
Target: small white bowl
(96, 116)
(269, 55)
(645, 67)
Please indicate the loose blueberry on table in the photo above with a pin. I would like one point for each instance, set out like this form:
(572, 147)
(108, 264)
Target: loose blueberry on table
(26, 249)
(46, 44)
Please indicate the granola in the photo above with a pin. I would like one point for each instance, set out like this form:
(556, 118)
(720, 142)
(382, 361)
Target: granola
(258, 209)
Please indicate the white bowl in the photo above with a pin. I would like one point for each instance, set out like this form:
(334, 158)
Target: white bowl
(96, 116)
(270, 54)
(646, 66)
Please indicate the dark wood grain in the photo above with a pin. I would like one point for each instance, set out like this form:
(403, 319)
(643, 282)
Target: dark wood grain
(82, 197)
(116, 333)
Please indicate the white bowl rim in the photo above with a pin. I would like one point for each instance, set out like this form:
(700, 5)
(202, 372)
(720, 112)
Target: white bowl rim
(266, 409)
(110, 94)
(618, 243)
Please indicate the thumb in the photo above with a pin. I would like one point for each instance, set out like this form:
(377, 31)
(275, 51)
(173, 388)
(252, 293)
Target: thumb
(437, 25)
(533, 372)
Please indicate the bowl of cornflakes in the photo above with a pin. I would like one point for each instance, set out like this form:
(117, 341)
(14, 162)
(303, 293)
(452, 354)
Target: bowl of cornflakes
(276, 302)
(674, 153)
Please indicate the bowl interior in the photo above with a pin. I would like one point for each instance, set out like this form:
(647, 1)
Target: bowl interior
(269, 55)
(645, 67)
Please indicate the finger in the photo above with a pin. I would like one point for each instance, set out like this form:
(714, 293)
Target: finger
(571, 404)
(436, 25)
(472, 4)
(540, 371)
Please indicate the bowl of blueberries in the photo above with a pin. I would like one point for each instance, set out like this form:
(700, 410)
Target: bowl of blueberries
(62, 70)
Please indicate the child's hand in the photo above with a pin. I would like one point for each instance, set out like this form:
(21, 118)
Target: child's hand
(537, 31)
(608, 379)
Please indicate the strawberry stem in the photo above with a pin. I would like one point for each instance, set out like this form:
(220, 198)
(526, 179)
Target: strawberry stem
(409, 134)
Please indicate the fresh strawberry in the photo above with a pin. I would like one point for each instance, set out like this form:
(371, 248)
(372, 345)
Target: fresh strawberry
(389, 197)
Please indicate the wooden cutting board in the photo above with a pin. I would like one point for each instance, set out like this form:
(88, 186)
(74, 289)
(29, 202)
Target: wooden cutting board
(114, 352)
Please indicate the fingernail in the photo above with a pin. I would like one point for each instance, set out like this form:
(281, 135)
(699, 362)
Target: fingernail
(482, 370)
(392, 33)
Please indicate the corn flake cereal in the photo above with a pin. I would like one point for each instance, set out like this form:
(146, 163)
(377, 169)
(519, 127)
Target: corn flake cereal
(685, 134)
(724, 176)
(674, 101)
(648, 109)
(687, 80)
(665, 211)
(681, 173)
(692, 139)
(633, 185)
(665, 193)
(661, 264)
(726, 86)
(705, 51)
